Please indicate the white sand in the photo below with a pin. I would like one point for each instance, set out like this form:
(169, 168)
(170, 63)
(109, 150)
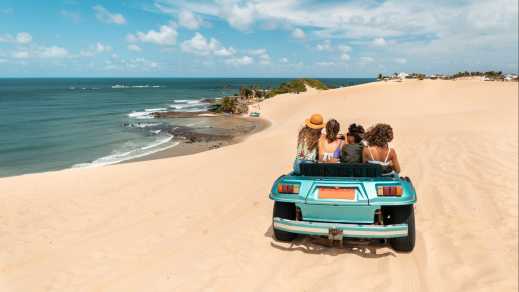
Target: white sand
(202, 222)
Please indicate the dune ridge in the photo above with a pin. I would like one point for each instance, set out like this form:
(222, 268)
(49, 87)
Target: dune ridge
(202, 222)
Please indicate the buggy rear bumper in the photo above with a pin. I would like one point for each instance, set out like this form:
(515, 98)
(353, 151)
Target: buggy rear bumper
(344, 230)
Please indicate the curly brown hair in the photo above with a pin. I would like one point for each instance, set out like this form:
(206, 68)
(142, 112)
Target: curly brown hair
(310, 136)
(379, 135)
(332, 129)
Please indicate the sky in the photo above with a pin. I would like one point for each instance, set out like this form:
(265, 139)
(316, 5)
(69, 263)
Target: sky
(270, 38)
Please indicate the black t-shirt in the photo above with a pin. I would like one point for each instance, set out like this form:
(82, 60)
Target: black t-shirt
(352, 153)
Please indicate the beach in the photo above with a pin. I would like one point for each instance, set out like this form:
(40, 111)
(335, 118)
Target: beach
(202, 222)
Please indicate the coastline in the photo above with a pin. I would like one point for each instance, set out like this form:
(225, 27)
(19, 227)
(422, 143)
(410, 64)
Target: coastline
(203, 221)
(236, 134)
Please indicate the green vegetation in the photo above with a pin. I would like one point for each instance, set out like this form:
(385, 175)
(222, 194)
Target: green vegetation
(232, 105)
(238, 103)
(488, 74)
(296, 86)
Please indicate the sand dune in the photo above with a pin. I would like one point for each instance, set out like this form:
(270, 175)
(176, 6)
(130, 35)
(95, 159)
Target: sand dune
(202, 222)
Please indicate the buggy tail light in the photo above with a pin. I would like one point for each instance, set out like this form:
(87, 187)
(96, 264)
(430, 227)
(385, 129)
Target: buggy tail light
(391, 191)
(288, 188)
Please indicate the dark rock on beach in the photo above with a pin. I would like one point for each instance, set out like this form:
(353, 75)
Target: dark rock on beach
(174, 114)
(193, 135)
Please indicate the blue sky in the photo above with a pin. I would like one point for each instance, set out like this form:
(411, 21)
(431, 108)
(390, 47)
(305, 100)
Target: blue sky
(234, 38)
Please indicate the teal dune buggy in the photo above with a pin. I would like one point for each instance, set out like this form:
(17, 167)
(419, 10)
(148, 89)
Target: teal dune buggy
(340, 201)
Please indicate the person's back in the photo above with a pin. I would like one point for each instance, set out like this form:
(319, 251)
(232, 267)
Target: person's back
(352, 152)
(378, 150)
(329, 145)
(308, 140)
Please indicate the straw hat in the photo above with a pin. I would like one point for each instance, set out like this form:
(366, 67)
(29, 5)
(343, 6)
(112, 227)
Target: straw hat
(316, 121)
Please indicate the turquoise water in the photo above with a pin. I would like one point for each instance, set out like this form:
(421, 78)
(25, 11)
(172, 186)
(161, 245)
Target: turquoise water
(51, 124)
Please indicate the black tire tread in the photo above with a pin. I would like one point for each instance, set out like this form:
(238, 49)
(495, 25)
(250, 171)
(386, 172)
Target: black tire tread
(404, 214)
(285, 211)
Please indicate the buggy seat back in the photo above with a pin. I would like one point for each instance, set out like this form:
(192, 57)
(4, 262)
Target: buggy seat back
(341, 169)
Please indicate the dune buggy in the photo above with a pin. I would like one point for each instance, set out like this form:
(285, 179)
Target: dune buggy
(344, 201)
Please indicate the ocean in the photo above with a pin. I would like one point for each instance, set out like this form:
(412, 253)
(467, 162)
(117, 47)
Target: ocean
(56, 123)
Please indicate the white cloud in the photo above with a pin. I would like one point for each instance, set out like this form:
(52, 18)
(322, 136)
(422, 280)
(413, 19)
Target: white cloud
(298, 34)
(401, 60)
(98, 48)
(53, 52)
(237, 61)
(324, 46)
(379, 42)
(238, 16)
(283, 60)
(262, 54)
(199, 45)
(224, 52)
(189, 20)
(425, 27)
(106, 16)
(3, 60)
(134, 48)
(345, 57)
(344, 48)
(23, 38)
(166, 36)
(325, 64)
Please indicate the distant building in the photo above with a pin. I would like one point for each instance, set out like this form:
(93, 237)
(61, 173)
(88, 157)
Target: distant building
(403, 75)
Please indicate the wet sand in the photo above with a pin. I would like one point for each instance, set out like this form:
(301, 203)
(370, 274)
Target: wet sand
(225, 130)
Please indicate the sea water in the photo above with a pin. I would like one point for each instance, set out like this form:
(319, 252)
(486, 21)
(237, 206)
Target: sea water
(56, 123)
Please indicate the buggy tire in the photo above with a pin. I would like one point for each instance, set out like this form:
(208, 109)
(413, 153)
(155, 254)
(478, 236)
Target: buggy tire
(285, 211)
(404, 215)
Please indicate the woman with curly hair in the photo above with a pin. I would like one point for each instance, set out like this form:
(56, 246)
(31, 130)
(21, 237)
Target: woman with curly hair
(330, 145)
(378, 150)
(308, 140)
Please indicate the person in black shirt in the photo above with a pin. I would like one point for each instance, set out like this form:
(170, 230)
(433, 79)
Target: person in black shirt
(352, 151)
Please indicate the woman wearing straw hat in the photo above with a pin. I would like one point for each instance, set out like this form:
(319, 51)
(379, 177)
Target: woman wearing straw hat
(308, 140)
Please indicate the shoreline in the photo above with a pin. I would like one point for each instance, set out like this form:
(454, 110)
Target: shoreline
(186, 147)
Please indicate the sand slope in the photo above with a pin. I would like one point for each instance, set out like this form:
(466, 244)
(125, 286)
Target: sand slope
(202, 222)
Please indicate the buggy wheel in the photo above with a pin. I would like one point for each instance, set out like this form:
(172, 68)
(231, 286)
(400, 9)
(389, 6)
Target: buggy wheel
(404, 214)
(285, 211)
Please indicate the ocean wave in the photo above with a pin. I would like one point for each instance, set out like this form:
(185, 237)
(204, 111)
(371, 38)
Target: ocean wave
(142, 125)
(159, 109)
(146, 114)
(140, 115)
(189, 105)
(121, 86)
(83, 88)
(160, 144)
